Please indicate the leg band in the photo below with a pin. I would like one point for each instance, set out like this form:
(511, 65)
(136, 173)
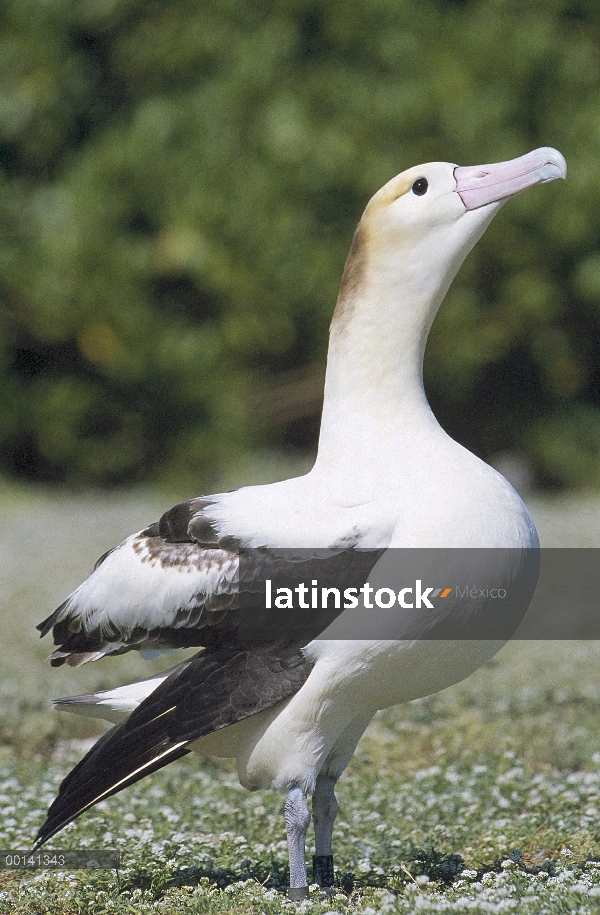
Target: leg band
(298, 893)
(323, 870)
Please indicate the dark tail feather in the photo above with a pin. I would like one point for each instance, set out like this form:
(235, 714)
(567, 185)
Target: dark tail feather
(214, 689)
(99, 775)
(121, 757)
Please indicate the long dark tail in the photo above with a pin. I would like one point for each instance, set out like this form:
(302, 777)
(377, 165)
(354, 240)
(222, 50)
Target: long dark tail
(214, 689)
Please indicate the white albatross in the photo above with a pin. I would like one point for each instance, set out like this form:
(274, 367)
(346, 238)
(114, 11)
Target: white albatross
(386, 475)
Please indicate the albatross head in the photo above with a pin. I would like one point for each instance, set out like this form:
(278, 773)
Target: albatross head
(421, 225)
(412, 238)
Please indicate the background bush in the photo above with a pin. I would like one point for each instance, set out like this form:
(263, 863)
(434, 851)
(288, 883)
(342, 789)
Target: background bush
(179, 184)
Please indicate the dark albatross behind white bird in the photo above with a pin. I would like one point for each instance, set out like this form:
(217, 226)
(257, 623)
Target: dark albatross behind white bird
(386, 475)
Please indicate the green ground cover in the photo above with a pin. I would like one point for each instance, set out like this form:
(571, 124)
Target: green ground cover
(501, 770)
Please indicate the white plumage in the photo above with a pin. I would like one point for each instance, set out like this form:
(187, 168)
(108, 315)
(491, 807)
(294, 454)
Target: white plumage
(386, 475)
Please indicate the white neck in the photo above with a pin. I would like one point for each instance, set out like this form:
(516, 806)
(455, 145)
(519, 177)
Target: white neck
(374, 398)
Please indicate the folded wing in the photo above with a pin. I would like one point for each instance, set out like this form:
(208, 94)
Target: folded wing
(179, 584)
(216, 688)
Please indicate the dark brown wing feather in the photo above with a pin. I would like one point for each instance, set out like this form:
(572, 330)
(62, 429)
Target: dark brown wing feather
(212, 690)
(186, 538)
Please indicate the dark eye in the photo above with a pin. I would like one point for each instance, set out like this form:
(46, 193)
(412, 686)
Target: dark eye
(420, 187)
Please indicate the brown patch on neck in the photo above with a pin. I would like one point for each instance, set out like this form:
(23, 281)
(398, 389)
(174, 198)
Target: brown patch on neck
(352, 280)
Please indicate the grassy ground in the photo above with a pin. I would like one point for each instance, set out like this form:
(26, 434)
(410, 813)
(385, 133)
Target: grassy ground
(502, 770)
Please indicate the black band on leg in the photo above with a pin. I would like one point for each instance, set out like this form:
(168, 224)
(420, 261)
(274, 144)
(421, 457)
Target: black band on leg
(323, 870)
(298, 893)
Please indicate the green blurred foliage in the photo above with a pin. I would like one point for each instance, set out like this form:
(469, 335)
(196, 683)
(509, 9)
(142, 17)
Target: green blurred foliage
(179, 183)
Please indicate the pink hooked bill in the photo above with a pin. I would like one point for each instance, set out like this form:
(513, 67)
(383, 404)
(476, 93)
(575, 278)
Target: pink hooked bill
(478, 185)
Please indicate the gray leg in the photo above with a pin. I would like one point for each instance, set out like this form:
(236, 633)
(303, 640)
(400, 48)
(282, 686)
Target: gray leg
(324, 802)
(325, 808)
(297, 819)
